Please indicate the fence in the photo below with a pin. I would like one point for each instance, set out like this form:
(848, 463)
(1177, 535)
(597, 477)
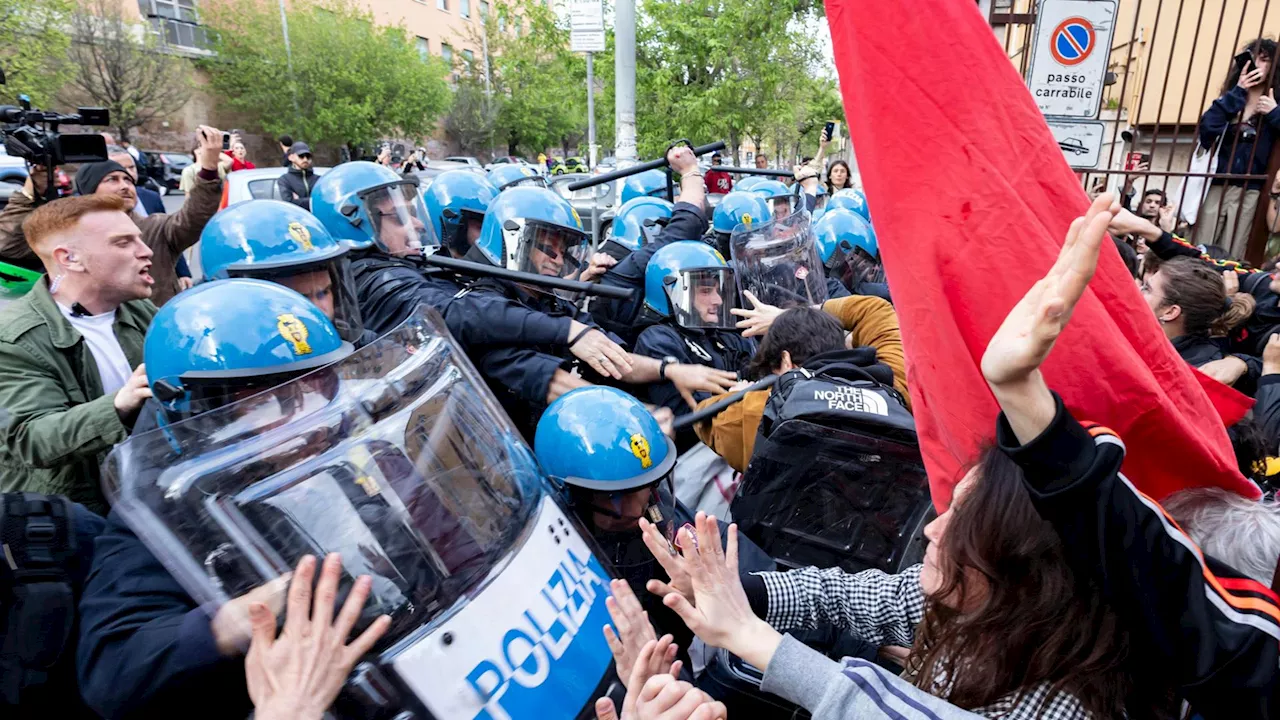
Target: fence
(1169, 60)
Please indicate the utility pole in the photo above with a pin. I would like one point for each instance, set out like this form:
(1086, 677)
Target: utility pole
(288, 56)
(624, 36)
(591, 112)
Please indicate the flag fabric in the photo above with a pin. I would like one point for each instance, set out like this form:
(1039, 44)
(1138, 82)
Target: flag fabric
(971, 199)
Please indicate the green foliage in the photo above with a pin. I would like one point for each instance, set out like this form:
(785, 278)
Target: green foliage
(353, 81)
(33, 48)
(472, 121)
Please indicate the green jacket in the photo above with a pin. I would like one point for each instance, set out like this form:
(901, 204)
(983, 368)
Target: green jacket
(56, 426)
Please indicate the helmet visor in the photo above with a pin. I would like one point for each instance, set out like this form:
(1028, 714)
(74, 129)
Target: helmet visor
(547, 249)
(526, 181)
(783, 206)
(620, 512)
(703, 297)
(400, 225)
(328, 285)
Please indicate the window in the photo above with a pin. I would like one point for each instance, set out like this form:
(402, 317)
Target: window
(469, 56)
(464, 8)
(446, 53)
(424, 48)
(484, 8)
(442, 5)
(184, 10)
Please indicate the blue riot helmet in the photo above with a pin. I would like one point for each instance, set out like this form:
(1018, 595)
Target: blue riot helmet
(609, 452)
(226, 339)
(509, 175)
(637, 223)
(818, 213)
(456, 202)
(820, 197)
(851, 199)
(533, 230)
(691, 283)
(738, 207)
(748, 182)
(282, 243)
(366, 204)
(782, 199)
(650, 183)
(840, 232)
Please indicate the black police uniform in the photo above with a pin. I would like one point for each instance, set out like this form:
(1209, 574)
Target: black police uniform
(720, 349)
(625, 318)
(389, 288)
(519, 368)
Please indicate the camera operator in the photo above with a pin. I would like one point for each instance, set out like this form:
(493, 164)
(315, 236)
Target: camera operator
(166, 235)
(71, 379)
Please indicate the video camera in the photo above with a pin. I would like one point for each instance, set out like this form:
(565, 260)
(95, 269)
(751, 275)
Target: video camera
(32, 135)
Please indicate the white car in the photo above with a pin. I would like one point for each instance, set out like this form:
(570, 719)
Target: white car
(465, 160)
(257, 184)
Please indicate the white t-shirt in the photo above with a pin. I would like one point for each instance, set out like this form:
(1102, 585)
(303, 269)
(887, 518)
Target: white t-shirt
(99, 333)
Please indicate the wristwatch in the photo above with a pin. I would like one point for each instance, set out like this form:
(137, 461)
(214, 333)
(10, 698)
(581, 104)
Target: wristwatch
(662, 368)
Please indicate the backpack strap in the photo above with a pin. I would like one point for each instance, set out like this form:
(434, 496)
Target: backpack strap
(37, 545)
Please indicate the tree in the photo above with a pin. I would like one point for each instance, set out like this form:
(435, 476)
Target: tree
(541, 84)
(352, 82)
(120, 65)
(33, 48)
(472, 121)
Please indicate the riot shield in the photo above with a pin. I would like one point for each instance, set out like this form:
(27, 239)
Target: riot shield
(399, 459)
(779, 261)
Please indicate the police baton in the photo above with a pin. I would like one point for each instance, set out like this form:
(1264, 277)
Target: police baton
(466, 267)
(754, 171)
(720, 406)
(639, 168)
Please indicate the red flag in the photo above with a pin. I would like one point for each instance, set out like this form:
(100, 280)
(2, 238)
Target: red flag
(971, 199)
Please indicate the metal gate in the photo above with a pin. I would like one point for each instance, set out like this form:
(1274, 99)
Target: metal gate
(1169, 61)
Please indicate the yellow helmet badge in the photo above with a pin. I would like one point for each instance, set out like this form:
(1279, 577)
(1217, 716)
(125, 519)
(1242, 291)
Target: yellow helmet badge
(746, 220)
(640, 448)
(294, 332)
(301, 235)
(576, 217)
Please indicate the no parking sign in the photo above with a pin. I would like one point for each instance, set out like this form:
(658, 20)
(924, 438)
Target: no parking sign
(1069, 56)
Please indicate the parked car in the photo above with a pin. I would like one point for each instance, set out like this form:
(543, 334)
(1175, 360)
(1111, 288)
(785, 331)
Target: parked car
(166, 168)
(585, 200)
(563, 166)
(7, 189)
(257, 184)
(505, 160)
(465, 160)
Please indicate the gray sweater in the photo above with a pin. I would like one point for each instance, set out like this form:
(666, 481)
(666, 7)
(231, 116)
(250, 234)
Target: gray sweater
(856, 689)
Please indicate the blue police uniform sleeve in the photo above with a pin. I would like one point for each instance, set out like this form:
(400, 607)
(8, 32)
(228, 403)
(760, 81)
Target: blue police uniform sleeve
(146, 649)
(659, 341)
(487, 318)
(836, 289)
(525, 372)
(687, 223)
(880, 290)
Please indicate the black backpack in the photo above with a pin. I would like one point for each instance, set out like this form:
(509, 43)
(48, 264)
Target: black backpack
(37, 606)
(836, 478)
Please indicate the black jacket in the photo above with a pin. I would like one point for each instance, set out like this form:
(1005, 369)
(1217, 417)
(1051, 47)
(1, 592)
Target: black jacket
(1252, 142)
(146, 648)
(389, 288)
(1216, 631)
(624, 317)
(295, 187)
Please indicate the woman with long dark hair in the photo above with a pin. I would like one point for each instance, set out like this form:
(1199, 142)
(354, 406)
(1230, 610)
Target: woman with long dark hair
(838, 177)
(1242, 124)
(1192, 305)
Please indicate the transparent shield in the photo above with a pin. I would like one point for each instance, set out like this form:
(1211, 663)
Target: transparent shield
(397, 458)
(400, 222)
(703, 297)
(328, 285)
(779, 262)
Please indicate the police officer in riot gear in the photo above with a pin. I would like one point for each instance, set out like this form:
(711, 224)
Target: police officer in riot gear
(535, 231)
(692, 288)
(282, 243)
(509, 175)
(737, 208)
(146, 647)
(650, 183)
(637, 223)
(611, 456)
(688, 221)
(850, 252)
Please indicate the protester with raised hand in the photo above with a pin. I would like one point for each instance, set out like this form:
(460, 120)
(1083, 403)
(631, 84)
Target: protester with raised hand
(1216, 629)
(298, 675)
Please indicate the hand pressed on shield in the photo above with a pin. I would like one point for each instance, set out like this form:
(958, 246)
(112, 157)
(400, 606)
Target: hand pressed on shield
(630, 632)
(676, 567)
(649, 668)
(719, 612)
(1011, 363)
(298, 674)
(594, 348)
(690, 379)
(129, 399)
(757, 319)
(666, 698)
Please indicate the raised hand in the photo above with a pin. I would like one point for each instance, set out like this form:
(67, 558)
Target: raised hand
(630, 632)
(757, 319)
(689, 379)
(676, 567)
(650, 662)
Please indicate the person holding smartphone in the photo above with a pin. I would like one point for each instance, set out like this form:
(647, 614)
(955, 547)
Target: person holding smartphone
(1241, 124)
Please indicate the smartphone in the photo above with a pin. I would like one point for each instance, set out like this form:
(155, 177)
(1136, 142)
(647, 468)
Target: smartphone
(1245, 61)
(829, 131)
(1134, 159)
(226, 141)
